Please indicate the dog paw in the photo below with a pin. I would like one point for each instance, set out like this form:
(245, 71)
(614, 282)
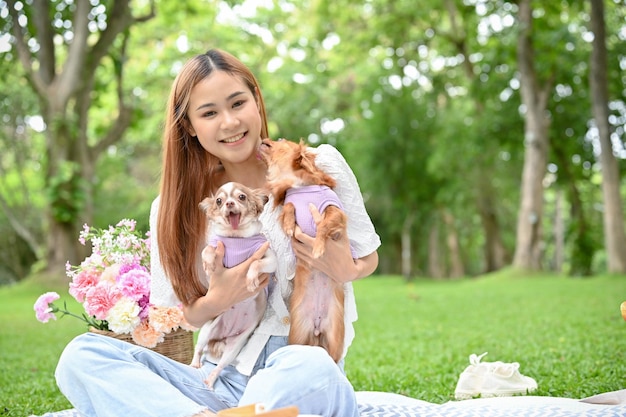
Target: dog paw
(252, 282)
(208, 268)
(289, 230)
(252, 278)
(287, 219)
(318, 250)
(210, 381)
(208, 260)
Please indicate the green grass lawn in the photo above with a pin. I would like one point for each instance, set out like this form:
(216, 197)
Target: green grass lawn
(412, 339)
(415, 339)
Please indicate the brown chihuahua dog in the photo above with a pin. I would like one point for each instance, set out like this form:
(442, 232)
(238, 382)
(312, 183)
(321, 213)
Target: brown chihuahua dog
(233, 214)
(317, 301)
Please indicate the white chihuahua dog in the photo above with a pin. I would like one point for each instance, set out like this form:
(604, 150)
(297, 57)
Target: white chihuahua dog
(233, 214)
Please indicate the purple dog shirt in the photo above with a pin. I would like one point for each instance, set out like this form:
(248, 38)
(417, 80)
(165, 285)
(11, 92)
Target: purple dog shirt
(237, 249)
(321, 196)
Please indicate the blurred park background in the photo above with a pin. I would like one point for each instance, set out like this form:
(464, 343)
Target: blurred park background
(484, 134)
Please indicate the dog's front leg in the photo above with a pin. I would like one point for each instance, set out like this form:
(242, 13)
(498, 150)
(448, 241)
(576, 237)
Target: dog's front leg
(267, 264)
(287, 219)
(208, 259)
(333, 226)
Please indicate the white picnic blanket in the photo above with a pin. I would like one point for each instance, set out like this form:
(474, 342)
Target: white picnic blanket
(385, 404)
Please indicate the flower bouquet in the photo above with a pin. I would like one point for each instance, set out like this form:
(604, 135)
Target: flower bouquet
(113, 285)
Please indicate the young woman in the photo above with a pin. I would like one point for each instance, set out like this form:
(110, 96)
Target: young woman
(215, 120)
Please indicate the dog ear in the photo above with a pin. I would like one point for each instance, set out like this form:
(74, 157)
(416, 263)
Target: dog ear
(307, 161)
(205, 205)
(260, 199)
(300, 157)
(312, 173)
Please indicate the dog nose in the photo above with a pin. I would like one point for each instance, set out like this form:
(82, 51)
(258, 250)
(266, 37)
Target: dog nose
(230, 204)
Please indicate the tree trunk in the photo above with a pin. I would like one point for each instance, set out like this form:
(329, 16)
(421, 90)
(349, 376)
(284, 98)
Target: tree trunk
(496, 256)
(580, 234)
(457, 269)
(435, 269)
(407, 272)
(559, 232)
(614, 235)
(529, 230)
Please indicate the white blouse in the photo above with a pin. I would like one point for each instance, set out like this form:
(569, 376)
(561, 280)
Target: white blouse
(361, 233)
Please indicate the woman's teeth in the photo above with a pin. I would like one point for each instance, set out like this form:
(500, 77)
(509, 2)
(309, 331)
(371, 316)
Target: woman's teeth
(233, 139)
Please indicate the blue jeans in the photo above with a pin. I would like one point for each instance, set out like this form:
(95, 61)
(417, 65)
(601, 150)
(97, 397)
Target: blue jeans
(102, 376)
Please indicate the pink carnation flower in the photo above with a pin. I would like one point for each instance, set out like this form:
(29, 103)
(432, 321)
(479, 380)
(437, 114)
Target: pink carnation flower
(99, 300)
(135, 283)
(43, 311)
(83, 282)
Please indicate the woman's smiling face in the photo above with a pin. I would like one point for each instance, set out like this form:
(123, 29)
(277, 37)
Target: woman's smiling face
(225, 117)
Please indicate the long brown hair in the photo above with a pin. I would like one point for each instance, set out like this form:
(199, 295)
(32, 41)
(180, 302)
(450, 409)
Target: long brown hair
(189, 174)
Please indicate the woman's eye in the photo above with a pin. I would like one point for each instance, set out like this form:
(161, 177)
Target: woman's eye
(238, 103)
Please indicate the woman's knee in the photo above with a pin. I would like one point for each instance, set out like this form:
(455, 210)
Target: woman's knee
(86, 352)
(73, 354)
(305, 364)
(305, 376)
(313, 357)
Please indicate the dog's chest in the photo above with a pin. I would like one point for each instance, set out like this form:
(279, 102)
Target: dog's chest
(238, 249)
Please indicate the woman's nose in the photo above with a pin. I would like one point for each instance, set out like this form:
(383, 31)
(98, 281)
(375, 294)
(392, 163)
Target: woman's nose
(229, 120)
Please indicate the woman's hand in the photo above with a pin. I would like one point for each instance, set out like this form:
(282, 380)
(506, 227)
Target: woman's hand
(227, 286)
(337, 261)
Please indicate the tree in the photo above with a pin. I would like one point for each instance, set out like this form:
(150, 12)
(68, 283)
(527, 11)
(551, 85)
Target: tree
(535, 100)
(67, 50)
(496, 256)
(614, 236)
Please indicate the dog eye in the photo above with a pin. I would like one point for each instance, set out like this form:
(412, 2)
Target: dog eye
(242, 197)
(218, 201)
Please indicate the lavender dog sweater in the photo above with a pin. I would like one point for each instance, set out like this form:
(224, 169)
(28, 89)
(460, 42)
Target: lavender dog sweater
(321, 196)
(237, 249)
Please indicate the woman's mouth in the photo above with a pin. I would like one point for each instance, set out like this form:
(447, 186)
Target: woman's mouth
(233, 139)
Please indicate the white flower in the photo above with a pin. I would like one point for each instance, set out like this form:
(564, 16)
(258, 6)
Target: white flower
(123, 317)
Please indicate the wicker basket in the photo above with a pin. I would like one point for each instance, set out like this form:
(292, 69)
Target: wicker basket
(178, 345)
